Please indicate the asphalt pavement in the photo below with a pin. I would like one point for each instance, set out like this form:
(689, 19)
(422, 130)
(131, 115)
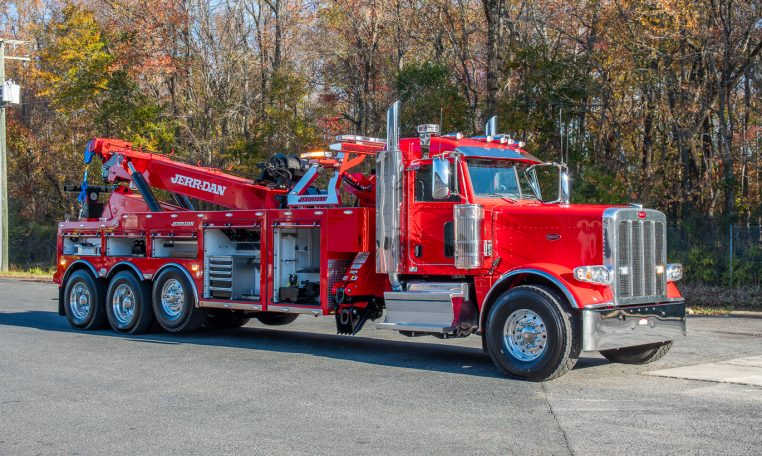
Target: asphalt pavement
(302, 389)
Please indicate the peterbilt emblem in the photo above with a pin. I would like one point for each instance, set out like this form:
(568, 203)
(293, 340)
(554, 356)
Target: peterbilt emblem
(552, 236)
(642, 214)
(205, 186)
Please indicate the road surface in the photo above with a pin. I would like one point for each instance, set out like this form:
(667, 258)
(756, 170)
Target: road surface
(301, 389)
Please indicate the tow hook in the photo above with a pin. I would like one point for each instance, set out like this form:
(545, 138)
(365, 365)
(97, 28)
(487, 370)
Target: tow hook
(350, 320)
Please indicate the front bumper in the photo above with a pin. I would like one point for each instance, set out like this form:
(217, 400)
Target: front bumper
(604, 329)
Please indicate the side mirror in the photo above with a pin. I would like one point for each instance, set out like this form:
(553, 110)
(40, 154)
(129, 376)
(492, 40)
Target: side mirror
(440, 178)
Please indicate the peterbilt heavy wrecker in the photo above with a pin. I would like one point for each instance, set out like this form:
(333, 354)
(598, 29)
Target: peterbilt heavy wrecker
(445, 235)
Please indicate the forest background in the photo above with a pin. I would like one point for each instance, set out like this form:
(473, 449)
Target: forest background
(655, 101)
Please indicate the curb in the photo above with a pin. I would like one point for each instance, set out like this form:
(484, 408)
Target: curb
(27, 278)
(745, 313)
(733, 313)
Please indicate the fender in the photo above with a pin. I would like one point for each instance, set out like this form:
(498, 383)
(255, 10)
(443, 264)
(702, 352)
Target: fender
(135, 269)
(86, 263)
(184, 271)
(534, 270)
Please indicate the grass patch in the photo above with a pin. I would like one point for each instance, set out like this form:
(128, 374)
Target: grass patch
(37, 273)
(709, 311)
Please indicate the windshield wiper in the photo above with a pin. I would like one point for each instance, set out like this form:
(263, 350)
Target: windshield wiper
(512, 196)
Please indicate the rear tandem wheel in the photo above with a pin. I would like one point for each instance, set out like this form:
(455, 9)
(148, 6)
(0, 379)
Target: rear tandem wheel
(174, 303)
(84, 298)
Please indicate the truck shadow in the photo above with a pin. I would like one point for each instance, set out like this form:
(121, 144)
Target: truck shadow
(416, 355)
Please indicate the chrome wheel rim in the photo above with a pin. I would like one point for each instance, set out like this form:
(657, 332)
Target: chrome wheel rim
(123, 305)
(172, 298)
(79, 302)
(525, 335)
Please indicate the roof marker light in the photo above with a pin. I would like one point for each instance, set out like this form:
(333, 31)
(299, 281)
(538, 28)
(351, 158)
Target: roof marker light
(316, 155)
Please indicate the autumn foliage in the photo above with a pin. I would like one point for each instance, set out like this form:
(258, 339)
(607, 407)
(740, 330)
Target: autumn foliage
(652, 101)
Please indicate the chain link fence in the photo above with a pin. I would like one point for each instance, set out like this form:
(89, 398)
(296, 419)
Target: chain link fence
(717, 255)
(729, 255)
(723, 263)
(32, 250)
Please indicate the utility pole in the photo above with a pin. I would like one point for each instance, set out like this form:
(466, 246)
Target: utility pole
(3, 158)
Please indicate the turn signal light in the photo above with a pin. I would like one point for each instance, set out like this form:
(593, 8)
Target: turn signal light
(593, 274)
(674, 272)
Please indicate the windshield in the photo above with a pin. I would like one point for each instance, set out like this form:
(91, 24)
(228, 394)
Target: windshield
(502, 179)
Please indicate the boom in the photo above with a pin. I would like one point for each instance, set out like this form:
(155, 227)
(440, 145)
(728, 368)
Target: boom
(122, 162)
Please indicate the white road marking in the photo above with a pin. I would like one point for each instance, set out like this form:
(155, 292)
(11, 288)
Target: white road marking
(744, 371)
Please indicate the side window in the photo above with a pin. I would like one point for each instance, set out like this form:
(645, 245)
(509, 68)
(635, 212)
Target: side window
(423, 185)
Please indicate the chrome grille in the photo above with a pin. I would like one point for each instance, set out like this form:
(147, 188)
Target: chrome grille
(635, 248)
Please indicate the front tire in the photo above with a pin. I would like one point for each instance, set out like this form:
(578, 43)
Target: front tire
(174, 303)
(84, 299)
(128, 304)
(530, 334)
(643, 354)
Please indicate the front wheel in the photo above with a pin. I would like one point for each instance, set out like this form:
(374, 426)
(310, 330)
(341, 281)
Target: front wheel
(175, 304)
(530, 335)
(642, 354)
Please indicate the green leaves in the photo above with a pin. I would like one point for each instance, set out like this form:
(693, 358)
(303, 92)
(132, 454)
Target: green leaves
(429, 95)
(74, 62)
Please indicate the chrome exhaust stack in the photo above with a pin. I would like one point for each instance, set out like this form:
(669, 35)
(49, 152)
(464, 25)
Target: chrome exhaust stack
(490, 128)
(389, 200)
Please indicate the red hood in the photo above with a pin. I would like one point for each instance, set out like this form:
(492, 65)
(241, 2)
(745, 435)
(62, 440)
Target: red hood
(527, 232)
(554, 211)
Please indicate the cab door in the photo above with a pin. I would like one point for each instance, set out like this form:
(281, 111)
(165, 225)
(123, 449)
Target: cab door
(431, 235)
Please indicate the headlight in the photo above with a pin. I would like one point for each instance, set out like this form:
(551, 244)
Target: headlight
(674, 272)
(593, 274)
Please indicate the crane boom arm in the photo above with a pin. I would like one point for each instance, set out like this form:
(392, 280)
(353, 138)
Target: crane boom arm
(160, 171)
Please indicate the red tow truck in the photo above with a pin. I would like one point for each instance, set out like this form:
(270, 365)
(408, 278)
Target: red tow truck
(443, 235)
